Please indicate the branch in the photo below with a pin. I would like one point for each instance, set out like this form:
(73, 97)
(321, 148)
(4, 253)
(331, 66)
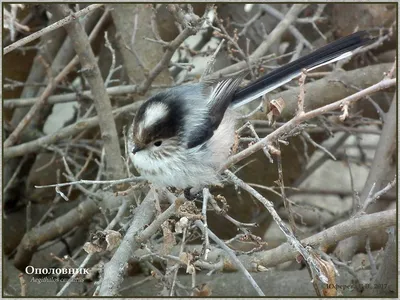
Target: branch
(327, 90)
(51, 230)
(232, 256)
(268, 258)
(293, 241)
(66, 132)
(293, 123)
(295, 32)
(380, 165)
(330, 236)
(102, 102)
(275, 34)
(51, 86)
(72, 17)
(112, 91)
(113, 272)
(121, 211)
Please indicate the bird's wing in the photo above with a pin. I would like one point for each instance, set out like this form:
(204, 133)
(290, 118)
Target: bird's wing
(219, 95)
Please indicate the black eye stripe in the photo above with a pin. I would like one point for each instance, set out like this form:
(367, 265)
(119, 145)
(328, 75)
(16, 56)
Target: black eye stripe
(168, 126)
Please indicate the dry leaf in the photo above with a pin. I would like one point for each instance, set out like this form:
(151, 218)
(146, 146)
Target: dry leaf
(91, 249)
(190, 269)
(168, 238)
(276, 107)
(113, 238)
(101, 241)
(203, 291)
(181, 224)
(329, 271)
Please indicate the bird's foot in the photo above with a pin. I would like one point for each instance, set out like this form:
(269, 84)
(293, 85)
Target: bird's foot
(192, 194)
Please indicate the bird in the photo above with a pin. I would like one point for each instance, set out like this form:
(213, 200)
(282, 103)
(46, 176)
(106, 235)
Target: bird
(182, 136)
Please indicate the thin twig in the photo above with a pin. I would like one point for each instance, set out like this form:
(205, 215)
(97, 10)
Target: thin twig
(71, 279)
(233, 256)
(286, 202)
(23, 284)
(111, 91)
(85, 181)
(373, 197)
(275, 34)
(206, 196)
(320, 147)
(65, 132)
(91, 72)
(314, 266)
(265, 149)
(15, 174)
(210, 63)
(287, 127)
(58, 24)
(372, 262)
(296, 33)
(171, 293)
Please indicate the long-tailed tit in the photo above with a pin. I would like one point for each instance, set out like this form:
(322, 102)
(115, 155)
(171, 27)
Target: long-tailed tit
(182, 136)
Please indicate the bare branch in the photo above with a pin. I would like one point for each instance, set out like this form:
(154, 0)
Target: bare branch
(232, 255)
(327, 237)
(111, 91)
(293, 241)
(384, 84)
(296, 33)
(72, 17)
(290, 17)
(102, 102)
(114, 270)
(380, 165)
(68, 131)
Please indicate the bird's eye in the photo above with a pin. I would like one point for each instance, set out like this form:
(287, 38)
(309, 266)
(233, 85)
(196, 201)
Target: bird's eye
(157, 143)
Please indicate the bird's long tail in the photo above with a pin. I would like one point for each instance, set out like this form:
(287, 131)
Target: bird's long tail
(332, 52)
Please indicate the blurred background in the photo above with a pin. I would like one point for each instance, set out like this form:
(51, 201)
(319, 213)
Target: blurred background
(325, 165)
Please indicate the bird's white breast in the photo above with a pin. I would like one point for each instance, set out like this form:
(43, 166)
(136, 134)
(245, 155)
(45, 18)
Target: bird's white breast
(195, 167)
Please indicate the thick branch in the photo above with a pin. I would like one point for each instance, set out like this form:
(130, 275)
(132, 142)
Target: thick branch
(112, 91)
(66, 132)
(380, 165)
(102, 103)
(51, 230)
(387, 275)
(114, 270)
(330, 236)
(328, 89)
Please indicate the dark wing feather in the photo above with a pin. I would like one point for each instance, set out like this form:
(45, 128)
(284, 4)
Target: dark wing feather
(219, 94)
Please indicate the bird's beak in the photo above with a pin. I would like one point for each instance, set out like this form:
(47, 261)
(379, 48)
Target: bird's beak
(136, 148)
